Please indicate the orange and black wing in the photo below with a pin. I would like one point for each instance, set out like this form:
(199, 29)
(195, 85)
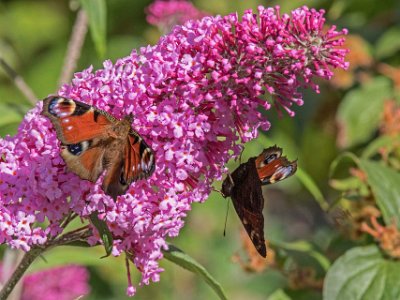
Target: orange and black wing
(139, 159)
(76, 121)
(137, 162)
(273, 167)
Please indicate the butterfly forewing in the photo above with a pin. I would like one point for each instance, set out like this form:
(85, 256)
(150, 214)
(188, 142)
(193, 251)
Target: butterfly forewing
(75, 121)
(93, 141)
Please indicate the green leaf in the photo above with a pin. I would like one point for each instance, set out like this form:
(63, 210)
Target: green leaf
(350, 183)
(312, 187)
(305, 248)
(97, 14)
(360, 111)
(385, 184)
(180, 258)
(104, 232)
(389, 43)
(279, 295)
(362, 273)
(375, 145)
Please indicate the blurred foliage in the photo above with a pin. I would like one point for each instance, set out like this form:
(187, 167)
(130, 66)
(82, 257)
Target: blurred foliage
(332, 228)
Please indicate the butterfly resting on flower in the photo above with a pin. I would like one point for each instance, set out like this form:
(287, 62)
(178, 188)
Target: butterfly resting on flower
(244, 187)
(93, 141)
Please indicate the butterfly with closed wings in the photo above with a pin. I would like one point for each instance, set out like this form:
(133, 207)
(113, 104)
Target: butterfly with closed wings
(93, 141)
(244, 188)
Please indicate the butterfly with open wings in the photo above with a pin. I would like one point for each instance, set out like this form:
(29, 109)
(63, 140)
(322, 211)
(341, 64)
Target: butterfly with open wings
(244, 187)
(93, 141)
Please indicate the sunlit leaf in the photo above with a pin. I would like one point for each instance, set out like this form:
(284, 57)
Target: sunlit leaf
(312, 187)
(385, 184)
(180, 258)
(380, 142)
(360, 111)
(304, 247)
(362, 273)
(279, 295)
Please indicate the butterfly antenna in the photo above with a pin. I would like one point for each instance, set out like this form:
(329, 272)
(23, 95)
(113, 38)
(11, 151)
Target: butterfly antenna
(218, 191)
(226, 216)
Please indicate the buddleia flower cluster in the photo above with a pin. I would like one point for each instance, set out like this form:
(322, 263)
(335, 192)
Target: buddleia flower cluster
(196, 97)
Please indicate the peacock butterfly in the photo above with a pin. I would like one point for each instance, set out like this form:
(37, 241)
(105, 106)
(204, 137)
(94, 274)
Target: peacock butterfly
(93, 141)
(244, 187)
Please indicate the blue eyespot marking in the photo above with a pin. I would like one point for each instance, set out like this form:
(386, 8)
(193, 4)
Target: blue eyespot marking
(75, 149)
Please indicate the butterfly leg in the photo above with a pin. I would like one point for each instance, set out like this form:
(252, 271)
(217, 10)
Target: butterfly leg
(231, 179)
(240, 155)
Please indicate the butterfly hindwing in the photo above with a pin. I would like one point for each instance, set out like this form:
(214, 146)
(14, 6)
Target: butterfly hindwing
(87, 165)
(273, 167)
(139, 159)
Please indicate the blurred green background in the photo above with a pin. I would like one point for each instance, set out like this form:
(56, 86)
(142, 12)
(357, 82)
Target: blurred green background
(346, 115)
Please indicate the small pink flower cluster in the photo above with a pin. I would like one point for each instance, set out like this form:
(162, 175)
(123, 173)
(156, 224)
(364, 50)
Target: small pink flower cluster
(60, 283)
(167, 13)
(196, 97)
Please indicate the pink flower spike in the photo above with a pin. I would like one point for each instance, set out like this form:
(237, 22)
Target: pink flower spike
(66, 282)
(166, 14)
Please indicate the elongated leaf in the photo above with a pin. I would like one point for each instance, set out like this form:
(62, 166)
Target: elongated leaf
(385, 184)
(97, 14)
(358, 114)
(363, 273)
(312, 187)
(305, 248)
(375, 145)
(104, 232)
(180, 258)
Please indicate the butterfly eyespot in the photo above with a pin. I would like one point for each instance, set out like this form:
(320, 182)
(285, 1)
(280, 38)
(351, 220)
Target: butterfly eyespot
(77, 149)
(270, 158)
(122, 179)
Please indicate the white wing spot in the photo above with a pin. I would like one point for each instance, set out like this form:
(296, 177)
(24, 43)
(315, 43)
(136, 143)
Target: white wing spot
(84, 144)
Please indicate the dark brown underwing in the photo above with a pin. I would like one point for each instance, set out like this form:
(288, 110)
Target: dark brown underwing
(244, 188)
